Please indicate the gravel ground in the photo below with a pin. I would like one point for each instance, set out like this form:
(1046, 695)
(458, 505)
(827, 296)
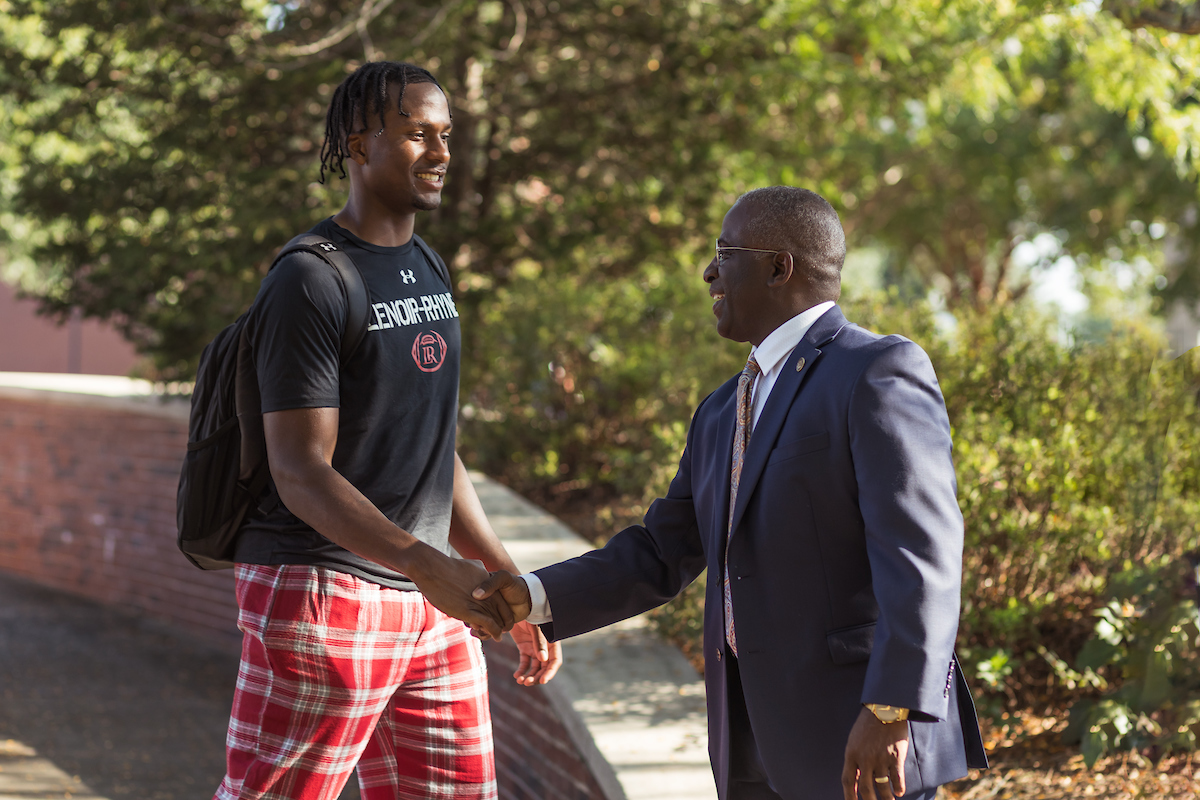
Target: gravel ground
(132, 709)
(1030, 762)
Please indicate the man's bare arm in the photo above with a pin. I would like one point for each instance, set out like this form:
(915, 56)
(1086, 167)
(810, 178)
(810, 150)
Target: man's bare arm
(300, 445)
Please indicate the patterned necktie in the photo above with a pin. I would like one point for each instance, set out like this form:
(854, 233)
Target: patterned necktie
(741, 437)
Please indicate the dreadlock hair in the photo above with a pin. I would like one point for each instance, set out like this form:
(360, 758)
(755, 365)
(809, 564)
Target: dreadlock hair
(360, 98)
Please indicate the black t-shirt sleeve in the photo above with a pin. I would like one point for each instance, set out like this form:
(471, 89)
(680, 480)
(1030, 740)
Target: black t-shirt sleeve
(295, 330)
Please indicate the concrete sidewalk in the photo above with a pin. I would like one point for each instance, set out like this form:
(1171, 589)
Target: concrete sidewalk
(96, 704)
(102, 705)
(639, 698)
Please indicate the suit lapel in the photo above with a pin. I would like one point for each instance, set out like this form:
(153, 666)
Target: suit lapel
(765, 433)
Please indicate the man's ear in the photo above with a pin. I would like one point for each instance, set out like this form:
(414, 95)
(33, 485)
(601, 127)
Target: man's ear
(783, 267)
(356, 147)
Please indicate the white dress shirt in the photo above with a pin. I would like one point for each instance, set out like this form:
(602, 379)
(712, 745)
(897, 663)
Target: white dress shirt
(770, 354)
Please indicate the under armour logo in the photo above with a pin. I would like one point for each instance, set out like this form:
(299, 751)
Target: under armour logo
(327, 246)
(407, 275)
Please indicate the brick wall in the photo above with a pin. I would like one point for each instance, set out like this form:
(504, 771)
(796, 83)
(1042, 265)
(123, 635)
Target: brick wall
(532, 762)
(87, 505)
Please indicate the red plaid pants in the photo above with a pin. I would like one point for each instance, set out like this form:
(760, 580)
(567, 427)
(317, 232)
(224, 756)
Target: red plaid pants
(337, 671)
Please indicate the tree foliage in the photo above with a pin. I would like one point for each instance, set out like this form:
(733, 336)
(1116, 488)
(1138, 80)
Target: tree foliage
(1078, 468)
(156, 154)
(1166, 14)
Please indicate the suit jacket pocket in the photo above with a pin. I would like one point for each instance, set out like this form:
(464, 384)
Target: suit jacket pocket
(799, 447)
(851, 645)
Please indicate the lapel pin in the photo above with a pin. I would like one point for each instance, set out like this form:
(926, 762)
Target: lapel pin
(800, 364)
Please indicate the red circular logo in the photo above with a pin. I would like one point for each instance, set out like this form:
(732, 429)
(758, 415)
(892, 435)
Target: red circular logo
(429, 351)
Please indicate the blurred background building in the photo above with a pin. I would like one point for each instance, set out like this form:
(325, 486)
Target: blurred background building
(32, 343)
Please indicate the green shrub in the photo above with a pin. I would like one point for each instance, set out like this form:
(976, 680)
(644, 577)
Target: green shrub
(1074, 458)
(578, 388)
(1150, 631)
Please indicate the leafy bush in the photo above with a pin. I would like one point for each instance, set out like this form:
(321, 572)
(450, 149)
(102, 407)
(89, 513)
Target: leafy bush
(1150, 630)
(1074, 461)
(581, 389)
(1077, 461)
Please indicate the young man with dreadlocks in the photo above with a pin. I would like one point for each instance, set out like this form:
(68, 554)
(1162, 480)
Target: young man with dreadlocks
(353, 652)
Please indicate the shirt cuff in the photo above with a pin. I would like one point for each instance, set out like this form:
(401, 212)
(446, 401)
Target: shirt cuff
(537, 597)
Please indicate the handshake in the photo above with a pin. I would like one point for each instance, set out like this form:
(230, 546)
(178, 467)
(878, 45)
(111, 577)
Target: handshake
(491, 604)
(505, 598)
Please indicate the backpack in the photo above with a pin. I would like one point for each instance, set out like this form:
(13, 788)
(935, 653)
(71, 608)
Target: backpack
(225, 468)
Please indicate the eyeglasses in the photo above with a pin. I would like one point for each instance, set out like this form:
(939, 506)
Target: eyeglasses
(721, 248)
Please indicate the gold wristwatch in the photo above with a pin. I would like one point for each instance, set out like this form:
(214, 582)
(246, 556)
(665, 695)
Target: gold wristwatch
(887, 713)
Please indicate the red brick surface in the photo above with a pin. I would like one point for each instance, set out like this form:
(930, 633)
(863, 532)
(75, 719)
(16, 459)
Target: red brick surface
(87, 506)
(535, 757)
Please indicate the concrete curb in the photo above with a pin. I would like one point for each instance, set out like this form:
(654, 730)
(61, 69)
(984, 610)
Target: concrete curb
(94, 391)
(24, 775)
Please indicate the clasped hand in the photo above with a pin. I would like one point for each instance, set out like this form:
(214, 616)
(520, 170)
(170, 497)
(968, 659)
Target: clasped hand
(498, 602)
(540, 659)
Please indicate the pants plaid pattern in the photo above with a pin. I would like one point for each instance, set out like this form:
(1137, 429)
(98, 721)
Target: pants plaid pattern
(337, 671)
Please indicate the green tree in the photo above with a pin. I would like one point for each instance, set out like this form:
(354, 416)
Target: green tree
(1045, 120)
(155, 156)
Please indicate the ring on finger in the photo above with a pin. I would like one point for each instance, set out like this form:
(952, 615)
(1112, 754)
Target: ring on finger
(883, 780)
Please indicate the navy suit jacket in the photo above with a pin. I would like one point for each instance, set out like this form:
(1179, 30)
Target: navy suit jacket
(845, 562)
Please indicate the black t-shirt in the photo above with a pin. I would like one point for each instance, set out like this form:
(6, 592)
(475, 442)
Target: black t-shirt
(397, 394)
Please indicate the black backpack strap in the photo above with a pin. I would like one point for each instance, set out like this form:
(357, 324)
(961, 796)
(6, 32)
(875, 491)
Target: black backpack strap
(358, 304)
(439, 266)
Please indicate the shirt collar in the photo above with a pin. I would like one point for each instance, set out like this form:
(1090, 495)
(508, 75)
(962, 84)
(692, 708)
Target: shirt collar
(783, 340)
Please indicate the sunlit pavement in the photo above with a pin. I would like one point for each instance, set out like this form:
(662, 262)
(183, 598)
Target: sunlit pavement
(25, 775)
(641, 702)
(102, 705)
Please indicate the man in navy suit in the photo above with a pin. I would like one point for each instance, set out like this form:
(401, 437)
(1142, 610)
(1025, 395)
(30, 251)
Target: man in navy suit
(817, 488)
